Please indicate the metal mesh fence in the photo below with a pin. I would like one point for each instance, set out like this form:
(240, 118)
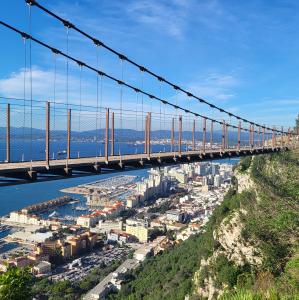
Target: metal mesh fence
(101, 132)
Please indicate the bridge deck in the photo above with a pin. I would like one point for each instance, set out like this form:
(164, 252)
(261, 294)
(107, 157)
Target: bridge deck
(94, 164)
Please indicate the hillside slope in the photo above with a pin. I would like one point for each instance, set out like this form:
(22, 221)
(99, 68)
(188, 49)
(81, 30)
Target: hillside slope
(250, 247)
(258, 254)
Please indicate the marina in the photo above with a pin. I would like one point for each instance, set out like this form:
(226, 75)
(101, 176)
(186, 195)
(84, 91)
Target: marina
(113, 182)
(101, 192)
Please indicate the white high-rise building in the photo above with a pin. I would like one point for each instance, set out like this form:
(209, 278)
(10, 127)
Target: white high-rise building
(217, 180)
(204, 181)
(156, 184)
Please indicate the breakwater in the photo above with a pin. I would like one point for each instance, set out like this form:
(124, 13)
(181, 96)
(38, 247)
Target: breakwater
(43, 206)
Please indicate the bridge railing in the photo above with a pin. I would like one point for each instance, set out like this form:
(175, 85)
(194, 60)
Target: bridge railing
(42, 130)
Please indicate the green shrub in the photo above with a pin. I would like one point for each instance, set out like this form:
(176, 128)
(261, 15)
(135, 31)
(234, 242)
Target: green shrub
(245, 164)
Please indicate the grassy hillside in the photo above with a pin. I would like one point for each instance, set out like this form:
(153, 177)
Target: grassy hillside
(269, 214)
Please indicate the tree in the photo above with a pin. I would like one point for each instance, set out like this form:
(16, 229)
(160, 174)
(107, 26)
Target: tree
(155, 232)
(15, 284)
(41, 288)
(62, 290)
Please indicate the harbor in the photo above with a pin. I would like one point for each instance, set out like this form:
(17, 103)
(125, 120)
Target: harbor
(101, 192)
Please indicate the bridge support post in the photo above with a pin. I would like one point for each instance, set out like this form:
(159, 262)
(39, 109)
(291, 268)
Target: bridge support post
(211, 134)
(47, 133)
(112, 134)
(172, 135)
(273, 138)
(239, 136)
(223, 137)
(145, 134)
(249, 136)
(107, 136)
(180, 135)
(193, 136)
(252, 136)
(263, 137)
(282, 142)
(204, 131)
(259, 137)
(8, 133)
(69, 118)
(226, 136)
(149, 135)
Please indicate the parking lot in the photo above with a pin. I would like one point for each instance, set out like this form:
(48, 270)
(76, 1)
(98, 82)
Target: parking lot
(79, 268)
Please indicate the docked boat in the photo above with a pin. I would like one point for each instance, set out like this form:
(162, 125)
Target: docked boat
(61, 152)
(53, 214)
(80, 208)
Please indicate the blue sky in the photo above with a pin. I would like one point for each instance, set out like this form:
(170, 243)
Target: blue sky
(240, 55)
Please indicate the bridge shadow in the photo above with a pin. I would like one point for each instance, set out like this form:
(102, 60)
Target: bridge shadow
(48, 177)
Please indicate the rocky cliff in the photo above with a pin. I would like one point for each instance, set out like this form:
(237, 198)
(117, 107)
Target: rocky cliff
(255, 237)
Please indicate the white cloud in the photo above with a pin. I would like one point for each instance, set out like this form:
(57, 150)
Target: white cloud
(168, 17)
(176, 17)
(42, 84)
(214, 87)
(43, 90)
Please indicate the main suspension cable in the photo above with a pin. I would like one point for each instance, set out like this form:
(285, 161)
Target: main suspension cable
(115, 52)
(115, 79)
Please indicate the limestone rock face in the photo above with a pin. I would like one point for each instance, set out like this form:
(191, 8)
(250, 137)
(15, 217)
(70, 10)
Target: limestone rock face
(208, 289)
(232, 246)
(244, 182)
(235, 247)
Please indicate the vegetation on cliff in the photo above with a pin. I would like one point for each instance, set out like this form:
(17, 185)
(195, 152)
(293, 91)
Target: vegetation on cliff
(270, 223)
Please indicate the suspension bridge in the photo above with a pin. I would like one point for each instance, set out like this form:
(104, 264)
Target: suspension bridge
(128, 122)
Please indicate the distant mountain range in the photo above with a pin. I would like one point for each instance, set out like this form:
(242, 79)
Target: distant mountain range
(129, 135)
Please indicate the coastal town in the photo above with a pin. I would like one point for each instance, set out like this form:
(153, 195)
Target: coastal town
(121, 218)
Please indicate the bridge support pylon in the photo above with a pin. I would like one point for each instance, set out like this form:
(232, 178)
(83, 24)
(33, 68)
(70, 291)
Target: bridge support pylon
(8, 133)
